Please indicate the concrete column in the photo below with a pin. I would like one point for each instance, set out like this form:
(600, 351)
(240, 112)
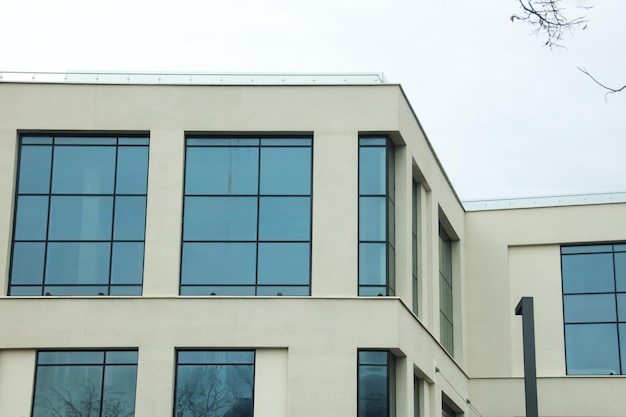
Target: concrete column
(155, 381)
(17, 382)
(8, 161)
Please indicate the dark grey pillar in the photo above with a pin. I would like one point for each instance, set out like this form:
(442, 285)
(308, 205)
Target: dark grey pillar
(526, 310)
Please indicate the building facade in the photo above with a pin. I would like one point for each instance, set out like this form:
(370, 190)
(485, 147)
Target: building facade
(282, 250)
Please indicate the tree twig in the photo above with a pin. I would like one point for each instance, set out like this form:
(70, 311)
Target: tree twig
(610, 90)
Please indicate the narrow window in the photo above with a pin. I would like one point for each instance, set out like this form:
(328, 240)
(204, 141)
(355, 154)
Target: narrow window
(594, 308)
(446, 301)
(416, 396)
(376, 216)
(80, 215)
(415, 219)
(214, 383)
(376, 384)
(85, 383)
(247, 216)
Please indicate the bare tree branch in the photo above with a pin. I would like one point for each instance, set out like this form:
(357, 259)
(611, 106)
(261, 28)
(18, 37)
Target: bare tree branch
(610, 90)
(549, 20)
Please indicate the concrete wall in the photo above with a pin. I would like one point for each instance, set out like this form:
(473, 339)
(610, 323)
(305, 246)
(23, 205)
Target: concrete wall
(306, 347)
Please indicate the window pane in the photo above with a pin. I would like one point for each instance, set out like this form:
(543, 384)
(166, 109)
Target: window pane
(586, 249)
(372, 291)
(621, 311)
(119, 391)
(589, 308)
(372, 264)
(372, 171)
(372, 218)
(219, 263)
(286, 290)
(587, 273)
(622, 343)
(125, 290)
(25, 291)
(37, 139)
(220, 218)
(222, 171)
(620, 271)
(286, 141)
(283, 263)
(285, 218)
(31, 219)
(80, 218)
(373, 357)
(70, 357)
(285, 171)
(372, 141)
(78, 263)
(130, 218)
(87, 140)
(122, 356)
(35, 169)
(372, 396)
(217, 290)
(28, 261)
(226, 141)
(127, 263)
(132, 170)
(68, 391)
(591, 349)
(76, 290)
(83, 170)
(219, 357)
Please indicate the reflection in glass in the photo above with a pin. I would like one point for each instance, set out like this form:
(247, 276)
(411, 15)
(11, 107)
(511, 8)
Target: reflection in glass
(220, 218)
(372, 171)
(130, 218)
(284, 263)
(127, 263)
(80, 218)
(376, 384)
(35, 169)
(78, 263)
(372, 219)
(284, 218)
(218, 263)
(83, 170)
(221, 171)
(28, 259)
(31, 218)
(132, 170)
(219, 390)
(373, 264)
(589, 308)
(285, 171)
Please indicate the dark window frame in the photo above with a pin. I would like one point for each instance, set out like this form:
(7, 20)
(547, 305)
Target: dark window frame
(103, 364)
(445, 245)
(390, 367)
(55, 141)
(193, 140)
(388, 288)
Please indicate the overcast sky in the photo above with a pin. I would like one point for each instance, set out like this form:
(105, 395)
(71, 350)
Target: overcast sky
(506, 116)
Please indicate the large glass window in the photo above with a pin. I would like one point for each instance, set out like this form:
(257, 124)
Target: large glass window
(247, 216)
(594, 308)
(376, 390)
(445, 291)
(80, 215)
(214, 383)
(85, 383)
(376, 216)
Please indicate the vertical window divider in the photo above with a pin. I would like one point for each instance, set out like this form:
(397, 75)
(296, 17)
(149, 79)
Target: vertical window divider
(619, 350)
(258, 221)
(114, 196)
(47, 242)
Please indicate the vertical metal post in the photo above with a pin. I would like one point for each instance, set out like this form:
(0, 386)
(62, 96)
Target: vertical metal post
(525, 309)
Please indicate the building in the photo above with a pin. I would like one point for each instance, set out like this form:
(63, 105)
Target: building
(283, 250)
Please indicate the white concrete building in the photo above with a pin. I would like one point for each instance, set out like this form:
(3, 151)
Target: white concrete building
(283, 250)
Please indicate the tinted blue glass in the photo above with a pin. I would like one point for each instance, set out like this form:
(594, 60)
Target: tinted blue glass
(76, 290)
(125, 290)
(285, 141)
(621, 310)
(37, 140)
(122, 356)
(214, 390)
(130, 218)
(589, 308)
(619, 248)
(372, 357)
(284, 263)
(372, 218)
(28, 261)
(58, 386)
(127, 263)
(372, 264)
(222, 171)
(372, 396)
(587, 273)
(35, 169)
(372, 141)
(118, 396)
(282, 290)
(87, 140)
(134, 141)
(220, 218)
(25, 291)
(285, 171)
(372, 291)
(70, 357)
(218, 357)
(622, 345)
(391, 221)
(78, 263)
(620, 271)
(372, 171)
(226, 141)
(83, 170)
(132, 170)
(586, 249)
(80, 218)
(285, 218)
(218, 263)
(592, 349)
(31, 219)
(221, 290)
